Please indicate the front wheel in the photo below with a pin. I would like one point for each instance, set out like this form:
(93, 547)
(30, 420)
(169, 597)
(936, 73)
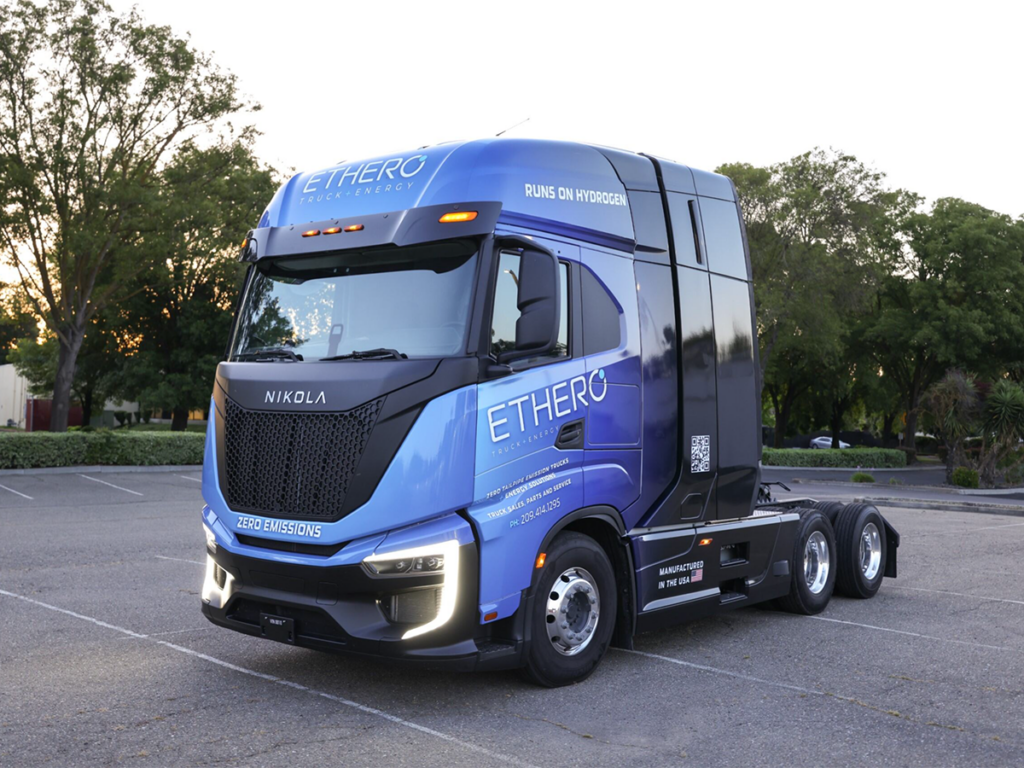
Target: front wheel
(813, 571)
(573, 612)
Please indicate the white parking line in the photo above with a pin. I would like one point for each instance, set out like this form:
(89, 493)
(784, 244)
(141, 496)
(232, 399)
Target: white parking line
(969, 531)
(173, 632)
(280, 681)
(193, 479)
(180, 559)
(727, 673)
(915, 634)
(958, 594)
(126, 490)
(16, 493)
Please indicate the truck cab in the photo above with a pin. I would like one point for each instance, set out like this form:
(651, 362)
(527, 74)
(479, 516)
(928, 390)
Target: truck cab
(495, 404)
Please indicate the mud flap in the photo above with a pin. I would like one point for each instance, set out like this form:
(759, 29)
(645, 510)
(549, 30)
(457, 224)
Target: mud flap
(892, 543)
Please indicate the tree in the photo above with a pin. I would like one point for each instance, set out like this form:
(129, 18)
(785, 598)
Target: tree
(818, 227)
(953, 297)
(182, 317)
(91, 105)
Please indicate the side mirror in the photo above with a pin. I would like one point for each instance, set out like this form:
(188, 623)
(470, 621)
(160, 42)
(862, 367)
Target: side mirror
(538, 302)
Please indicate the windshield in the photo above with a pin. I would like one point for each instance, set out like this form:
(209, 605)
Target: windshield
(414, 300)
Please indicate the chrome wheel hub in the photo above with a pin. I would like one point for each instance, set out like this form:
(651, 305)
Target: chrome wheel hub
(573, 610)
(816, 562)
(870, 551)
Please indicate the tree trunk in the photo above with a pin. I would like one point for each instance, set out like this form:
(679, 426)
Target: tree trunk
(910, 431)
(87, 397)
(179, 419)
(887, 434)
(837, 421)
(782, 418)
(67, 359)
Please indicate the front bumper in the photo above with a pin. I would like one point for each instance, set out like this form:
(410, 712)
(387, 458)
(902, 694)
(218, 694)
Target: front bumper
(342, 609)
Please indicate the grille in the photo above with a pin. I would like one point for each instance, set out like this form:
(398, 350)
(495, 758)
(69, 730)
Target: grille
(293, 464)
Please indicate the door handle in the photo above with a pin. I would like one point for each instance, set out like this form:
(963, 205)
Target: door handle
(570, 436)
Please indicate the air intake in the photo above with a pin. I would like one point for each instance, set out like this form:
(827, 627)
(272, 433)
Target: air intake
(295, 465)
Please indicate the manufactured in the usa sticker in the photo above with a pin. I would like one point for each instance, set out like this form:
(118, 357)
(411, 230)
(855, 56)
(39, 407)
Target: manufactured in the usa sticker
(272, 525)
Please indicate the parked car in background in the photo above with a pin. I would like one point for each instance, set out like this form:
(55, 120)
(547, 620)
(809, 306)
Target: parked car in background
(826, 442)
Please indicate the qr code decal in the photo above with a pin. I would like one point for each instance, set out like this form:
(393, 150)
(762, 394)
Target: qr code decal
(700, 453)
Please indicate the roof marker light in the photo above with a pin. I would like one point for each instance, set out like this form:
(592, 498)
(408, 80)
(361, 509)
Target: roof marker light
(704, 542)
(353, 227)
(448, 218)
(331, 231)
(311, 233)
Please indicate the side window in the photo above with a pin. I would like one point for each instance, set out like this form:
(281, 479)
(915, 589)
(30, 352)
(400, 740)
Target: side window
(506, 310)
(723, 238)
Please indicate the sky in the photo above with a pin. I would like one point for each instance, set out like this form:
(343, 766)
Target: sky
(928, 93)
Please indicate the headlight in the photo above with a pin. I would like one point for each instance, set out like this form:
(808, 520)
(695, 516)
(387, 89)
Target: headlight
(442, 559)
(211, 540)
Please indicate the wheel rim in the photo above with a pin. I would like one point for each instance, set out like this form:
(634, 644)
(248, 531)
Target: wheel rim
(816, 562)
(573, 610)
(870, 551)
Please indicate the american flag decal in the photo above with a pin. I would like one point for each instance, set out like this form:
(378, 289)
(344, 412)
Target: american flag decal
(697, 575)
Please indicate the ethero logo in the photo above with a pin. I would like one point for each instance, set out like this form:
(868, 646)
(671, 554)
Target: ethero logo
(376, 172)
(555, 401)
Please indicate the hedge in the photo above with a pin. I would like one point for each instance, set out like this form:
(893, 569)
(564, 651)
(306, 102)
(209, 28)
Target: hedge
(875, 458)
(46, 449)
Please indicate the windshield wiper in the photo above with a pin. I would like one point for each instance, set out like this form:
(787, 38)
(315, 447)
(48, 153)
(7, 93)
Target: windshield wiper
(369, 354)
(274, 353)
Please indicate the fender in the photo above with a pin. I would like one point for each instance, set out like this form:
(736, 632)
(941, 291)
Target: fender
(598, 519)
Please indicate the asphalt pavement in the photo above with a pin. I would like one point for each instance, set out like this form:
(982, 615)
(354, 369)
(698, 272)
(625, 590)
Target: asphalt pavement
(105, 659)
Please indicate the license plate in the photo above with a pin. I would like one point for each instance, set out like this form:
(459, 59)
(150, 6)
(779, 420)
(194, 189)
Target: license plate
(278, 628)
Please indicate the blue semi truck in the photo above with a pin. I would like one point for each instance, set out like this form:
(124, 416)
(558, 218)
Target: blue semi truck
(495, 404)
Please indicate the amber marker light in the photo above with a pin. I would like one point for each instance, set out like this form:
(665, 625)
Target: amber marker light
(540, 559)
(311, 233)
(353, 228)
(448, 218)
(331, 231)
(491, 616)
(704, 542)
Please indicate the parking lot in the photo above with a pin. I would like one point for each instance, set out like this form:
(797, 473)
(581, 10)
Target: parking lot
(106, 659)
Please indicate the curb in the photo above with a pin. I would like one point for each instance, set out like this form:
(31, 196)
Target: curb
(100, 469)
(946, 506)
(951, 490)
(854, 469)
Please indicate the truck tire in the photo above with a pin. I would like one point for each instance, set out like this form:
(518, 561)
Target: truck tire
(829, 509)
(813, 571)
(573, 613)
(861, 544)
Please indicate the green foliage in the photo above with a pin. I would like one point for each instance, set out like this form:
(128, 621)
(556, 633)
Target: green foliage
(895, 481)
(44, 449)
(877, 458)
(182, 316)
(953, 297)
(981, 425)
(862, 477)
(965, 477)
(817, 228)
(92, 104)
(16, 321)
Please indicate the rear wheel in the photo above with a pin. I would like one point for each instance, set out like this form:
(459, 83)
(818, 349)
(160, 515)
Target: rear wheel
(573, 612)
(829, 509)
(813, 572)
(861, 544)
